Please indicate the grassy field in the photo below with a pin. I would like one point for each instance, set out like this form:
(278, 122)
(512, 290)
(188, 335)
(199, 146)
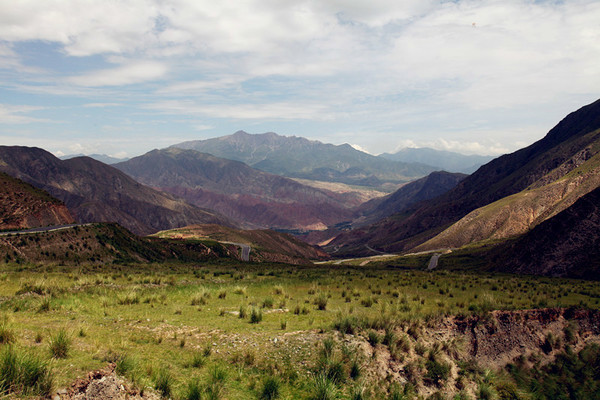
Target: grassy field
(248, 331)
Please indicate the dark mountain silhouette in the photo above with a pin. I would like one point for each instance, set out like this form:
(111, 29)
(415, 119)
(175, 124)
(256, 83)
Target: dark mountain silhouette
(96, 192)
(24, 206)
(298, 157)
(499, 178)
(422, 189)
(252, 197)
(567, 244)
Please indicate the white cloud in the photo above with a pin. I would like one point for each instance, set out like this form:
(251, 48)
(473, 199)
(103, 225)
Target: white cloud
(360, 148)
(354, 66)
(255, 111)
(127, 74)
(17, 114)
(102, 105)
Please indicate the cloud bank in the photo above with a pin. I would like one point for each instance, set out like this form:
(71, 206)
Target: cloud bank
(463, 75)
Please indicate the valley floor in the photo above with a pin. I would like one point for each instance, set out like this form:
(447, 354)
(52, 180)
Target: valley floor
(247, 331)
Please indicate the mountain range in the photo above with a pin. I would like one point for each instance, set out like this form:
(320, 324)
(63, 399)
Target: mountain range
(297, 157)
(566, 147)
(532, 211)
(443, 160)
(251, 197)
(96, 192)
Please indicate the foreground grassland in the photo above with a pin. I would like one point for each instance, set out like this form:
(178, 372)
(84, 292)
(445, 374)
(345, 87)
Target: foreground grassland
(261, 331)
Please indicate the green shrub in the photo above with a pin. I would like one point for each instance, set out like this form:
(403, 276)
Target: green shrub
(124, 365)
(197, 361)
(163, 383)
(321, 302)
(347, 324)
(358, 393)
(389, 337)
(255, 316)
(271, 389)
(327, 350)
(486, 392)
(193, 390)
(437, 371)
(373, 338)
(322, 388)
(268, 303)
(45, 305)
(355, 369)
(215, 388)
(24, 374)
(6, 333)
(60, 344)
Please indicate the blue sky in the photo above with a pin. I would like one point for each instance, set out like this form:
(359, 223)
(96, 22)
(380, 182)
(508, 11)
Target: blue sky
(124, 77)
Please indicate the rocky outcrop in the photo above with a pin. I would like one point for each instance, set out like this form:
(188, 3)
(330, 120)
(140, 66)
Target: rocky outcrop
(23, 206)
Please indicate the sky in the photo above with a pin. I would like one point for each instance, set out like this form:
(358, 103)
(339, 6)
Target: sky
(128, 76)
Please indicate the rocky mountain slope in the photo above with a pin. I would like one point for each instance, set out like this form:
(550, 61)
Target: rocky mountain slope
(252, 197)
(297, 157)
(95, 192)
(443, 160)
(422, 189)
(24, 206)
(518, 213)
(545, 161)
(266, 245)
(566, 245)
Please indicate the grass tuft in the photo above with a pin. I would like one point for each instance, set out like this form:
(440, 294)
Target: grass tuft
(60, 344)
(271, 389)
(24, 374)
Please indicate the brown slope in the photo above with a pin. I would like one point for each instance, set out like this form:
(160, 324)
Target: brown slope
(96, 192)
(422, 189)
(517, 214)
(253, 197)
(99, 244)
(266, 244)
(499, 178)
(24, 206)
(567, 244)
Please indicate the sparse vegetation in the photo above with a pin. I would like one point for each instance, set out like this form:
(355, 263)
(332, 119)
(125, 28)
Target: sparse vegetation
(186, 340)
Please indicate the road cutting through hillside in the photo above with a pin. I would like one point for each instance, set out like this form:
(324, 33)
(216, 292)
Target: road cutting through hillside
(245, 254)
(41, 229)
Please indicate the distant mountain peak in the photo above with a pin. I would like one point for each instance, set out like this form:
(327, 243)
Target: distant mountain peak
(298, 157)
